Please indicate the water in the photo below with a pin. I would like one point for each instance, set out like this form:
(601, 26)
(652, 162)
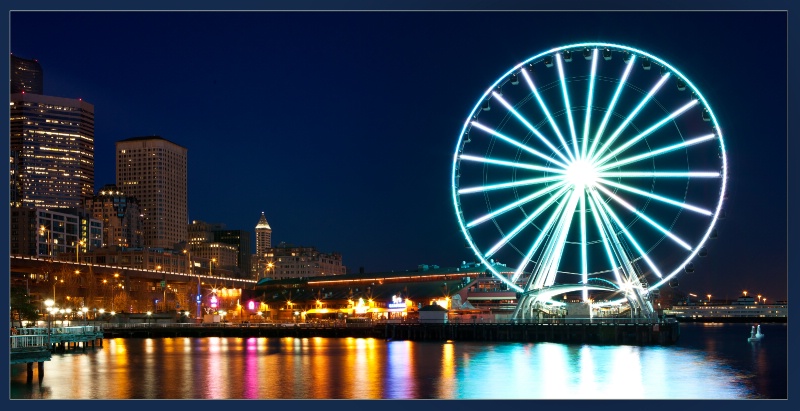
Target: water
(711, 361)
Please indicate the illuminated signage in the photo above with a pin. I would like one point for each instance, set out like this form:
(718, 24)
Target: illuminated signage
(213, 301)
(397, 302)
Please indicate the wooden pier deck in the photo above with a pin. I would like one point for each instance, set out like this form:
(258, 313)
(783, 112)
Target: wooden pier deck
(36, 345)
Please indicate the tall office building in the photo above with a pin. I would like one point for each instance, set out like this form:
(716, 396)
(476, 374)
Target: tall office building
(241, 240)
(51, 151)
(263, 236)
(154, 170)
(26, 76)
(122, 220)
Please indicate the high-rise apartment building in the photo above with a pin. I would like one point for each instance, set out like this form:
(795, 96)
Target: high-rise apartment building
(51, 151)
(26, 76)
(154, 170)
(263, 236)
(121, 217)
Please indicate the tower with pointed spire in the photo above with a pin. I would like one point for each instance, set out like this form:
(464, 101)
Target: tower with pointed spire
(263, 236)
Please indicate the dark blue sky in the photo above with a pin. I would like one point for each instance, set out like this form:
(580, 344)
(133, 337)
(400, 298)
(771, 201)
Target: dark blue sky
(341, 126)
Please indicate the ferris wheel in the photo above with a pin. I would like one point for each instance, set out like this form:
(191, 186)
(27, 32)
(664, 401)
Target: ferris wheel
(592, 168)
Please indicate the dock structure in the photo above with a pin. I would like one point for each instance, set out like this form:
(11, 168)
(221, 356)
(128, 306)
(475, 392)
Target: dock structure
(576, 331)
(36, 345)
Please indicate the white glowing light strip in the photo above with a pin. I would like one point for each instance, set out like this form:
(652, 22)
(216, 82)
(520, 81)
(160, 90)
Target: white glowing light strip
(547, 113)
(646, 132)
(632, 115)
(516, 204)
(584, 259)
(624, 284)
(538, 242)
(517, 144)
(658, 174)
(510, 164)
(655, 196)
(520, 183)
(658, 152)
(611, 106)
(636, 245)
(524, 223)
(586, 121)
(643, 216)
(604, 234)
(558, 245)
(539, 275)
(566, 104)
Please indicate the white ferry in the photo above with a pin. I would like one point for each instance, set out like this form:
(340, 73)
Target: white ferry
(743, 309)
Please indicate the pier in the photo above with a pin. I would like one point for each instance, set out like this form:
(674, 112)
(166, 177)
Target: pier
(575, 331)
(36, 345)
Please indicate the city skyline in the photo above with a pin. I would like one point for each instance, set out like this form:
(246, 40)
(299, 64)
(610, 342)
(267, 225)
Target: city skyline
(359, 149)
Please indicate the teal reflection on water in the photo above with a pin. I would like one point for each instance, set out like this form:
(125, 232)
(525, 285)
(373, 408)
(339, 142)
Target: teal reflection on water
(557, 371)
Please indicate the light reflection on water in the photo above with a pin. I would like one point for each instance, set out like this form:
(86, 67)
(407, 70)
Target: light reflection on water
(264, 368)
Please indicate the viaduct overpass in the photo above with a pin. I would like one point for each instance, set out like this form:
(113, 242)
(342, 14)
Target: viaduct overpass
(125, 289)
(37, 265)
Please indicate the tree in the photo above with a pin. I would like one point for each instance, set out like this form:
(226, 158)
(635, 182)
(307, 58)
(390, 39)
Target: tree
(21, 306)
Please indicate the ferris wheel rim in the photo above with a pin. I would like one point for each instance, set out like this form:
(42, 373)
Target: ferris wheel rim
(719, 137)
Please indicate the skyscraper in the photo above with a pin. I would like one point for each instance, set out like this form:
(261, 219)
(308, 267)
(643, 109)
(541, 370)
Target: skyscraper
(26, 76)
(52, 151)
(154, 170)
(263, 236)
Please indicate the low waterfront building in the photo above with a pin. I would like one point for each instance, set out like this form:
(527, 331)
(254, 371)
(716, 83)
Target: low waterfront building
(744, 308)
(390, 297)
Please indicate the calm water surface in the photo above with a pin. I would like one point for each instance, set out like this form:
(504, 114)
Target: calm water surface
(710, 361)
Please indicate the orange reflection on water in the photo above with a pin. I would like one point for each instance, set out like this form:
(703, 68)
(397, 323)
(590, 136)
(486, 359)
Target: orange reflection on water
(446, 385)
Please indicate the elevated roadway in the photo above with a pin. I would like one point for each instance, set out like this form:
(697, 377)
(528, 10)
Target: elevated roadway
(31, 264)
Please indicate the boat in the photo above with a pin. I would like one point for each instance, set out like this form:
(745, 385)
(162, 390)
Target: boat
(755, 333)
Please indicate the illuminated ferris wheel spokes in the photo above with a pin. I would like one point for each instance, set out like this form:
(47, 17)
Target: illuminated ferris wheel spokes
(588, 191)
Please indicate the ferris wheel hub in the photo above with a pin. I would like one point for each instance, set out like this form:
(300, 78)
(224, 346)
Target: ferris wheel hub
(581, 174)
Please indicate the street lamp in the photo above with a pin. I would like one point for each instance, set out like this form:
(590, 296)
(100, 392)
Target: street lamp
(270, 265)
(55, 248)
(78, 246)
(69, 312)
(197, 297)
(85, 315)
(210, 272)
(758, 299)
(149, 313)
(49, 304)
(709, 298)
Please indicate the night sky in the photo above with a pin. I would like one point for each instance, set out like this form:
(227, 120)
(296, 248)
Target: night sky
(341, 126)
